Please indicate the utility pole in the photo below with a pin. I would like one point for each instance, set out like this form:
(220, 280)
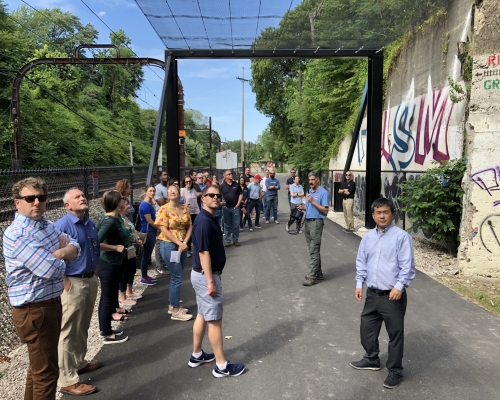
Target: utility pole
(210, 140)
(243, 80)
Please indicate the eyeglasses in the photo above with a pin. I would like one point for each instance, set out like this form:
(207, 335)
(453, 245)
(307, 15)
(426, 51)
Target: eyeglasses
(172, 191)
(212, 195)
(31, 199)
(347, 174)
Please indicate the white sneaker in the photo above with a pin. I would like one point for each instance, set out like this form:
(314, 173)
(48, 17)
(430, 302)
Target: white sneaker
(287, 228)
(251, 229)
(181, 315)
(276, 221)
(171, 309)
(267, 221)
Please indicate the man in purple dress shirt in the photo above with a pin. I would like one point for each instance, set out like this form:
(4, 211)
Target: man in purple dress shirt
(385, 261)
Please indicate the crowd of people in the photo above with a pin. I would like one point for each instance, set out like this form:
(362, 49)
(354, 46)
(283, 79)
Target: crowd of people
(54, 269)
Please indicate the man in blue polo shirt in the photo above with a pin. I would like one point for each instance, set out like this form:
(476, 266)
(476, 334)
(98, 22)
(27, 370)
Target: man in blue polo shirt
(78, 297)
(272, 185)
(209, 259)
(317, 204)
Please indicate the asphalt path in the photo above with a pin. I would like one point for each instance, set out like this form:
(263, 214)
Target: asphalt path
(297, 341)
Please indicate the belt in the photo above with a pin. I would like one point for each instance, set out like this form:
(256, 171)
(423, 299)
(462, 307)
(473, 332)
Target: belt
(312, 219)
(86, 275)
(40, 303)
(349, 198)
(255, 199)
(380, 292)
(200, 271)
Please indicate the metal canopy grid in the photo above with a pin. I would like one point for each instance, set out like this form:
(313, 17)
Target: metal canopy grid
(284, 24)
(283, 29)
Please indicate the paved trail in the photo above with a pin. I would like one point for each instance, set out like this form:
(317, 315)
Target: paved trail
(297, 341)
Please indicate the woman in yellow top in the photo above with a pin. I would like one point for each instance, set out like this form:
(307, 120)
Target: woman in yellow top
(174, 221)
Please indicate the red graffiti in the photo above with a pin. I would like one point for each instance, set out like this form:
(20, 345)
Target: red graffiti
(494, 60)
(429, 124)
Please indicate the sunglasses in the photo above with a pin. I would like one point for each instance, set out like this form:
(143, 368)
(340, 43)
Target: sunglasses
(212, 195)
(188, 181)
(31, 199)
(347, 174)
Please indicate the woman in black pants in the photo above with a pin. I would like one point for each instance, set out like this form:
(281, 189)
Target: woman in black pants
(112, 238)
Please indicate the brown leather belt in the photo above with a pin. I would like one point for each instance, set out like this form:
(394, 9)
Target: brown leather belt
(200, 271)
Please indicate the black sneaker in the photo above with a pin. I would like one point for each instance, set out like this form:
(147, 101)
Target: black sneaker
(117, 332)
(392, 380)
(365, 364)
(231, 370)
(204, 358)
(115, 340)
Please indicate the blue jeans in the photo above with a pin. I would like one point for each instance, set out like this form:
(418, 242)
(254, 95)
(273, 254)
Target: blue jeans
(250, 206)
(175, 271)
(264, 205)
(231, 217)
(146, 253)
(272, 204)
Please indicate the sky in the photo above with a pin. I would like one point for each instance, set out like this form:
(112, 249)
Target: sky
(210, 86)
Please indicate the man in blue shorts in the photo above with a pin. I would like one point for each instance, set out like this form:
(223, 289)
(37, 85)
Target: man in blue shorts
(209, 259)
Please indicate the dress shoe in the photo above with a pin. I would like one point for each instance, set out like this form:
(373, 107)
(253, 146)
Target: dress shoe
(91, 366)
(78, 389)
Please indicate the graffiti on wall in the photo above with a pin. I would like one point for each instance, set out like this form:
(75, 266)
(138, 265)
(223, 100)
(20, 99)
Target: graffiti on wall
(361, 146)
(489, 233)
(488, 180)
(417, 130)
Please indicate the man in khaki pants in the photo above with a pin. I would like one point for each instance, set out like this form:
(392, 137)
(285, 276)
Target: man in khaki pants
(78, 297)
(347, 191)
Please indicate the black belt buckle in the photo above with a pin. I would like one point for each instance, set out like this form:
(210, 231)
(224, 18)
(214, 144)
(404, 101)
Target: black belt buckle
(381, 292)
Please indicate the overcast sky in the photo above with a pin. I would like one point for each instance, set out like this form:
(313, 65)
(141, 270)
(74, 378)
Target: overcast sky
(210, 86)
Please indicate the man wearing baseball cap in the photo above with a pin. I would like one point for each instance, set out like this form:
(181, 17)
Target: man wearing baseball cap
(254, 201)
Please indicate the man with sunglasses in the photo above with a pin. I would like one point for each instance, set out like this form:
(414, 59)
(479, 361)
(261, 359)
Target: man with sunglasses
(209, 259)
(79, 295)
(35, 252)
(233, 195)
(347, 191)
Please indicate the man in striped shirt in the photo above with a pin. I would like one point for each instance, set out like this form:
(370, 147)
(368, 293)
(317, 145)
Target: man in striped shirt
(35, 253)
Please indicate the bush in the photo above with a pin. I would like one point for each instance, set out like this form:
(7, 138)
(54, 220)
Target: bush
(434, 202)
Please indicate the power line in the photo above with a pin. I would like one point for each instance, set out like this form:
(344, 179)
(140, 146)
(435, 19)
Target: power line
(91, 50)
(77, 113)
(114, 33)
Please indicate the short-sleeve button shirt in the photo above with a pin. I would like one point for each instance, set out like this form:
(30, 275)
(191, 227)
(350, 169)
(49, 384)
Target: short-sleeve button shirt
(178, 226)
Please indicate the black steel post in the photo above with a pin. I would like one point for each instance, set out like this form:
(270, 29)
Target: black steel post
(159, 124)
(374, 133)
(357, 128)
(172, 116)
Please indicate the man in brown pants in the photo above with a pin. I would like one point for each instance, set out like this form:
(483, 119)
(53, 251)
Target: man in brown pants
(35, 252)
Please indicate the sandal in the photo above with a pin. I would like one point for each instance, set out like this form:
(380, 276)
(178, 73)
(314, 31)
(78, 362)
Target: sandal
(123, 318)
(125, 311)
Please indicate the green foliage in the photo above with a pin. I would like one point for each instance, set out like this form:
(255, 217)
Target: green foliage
(457, 92)
(434, 201)
(52, 135)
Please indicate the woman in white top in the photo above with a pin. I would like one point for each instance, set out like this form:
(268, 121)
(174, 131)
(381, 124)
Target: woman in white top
(296, 195)
(190, 197)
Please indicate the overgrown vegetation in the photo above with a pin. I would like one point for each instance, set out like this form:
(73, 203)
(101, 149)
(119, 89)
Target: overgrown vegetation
(322, 106)
(434, 201)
